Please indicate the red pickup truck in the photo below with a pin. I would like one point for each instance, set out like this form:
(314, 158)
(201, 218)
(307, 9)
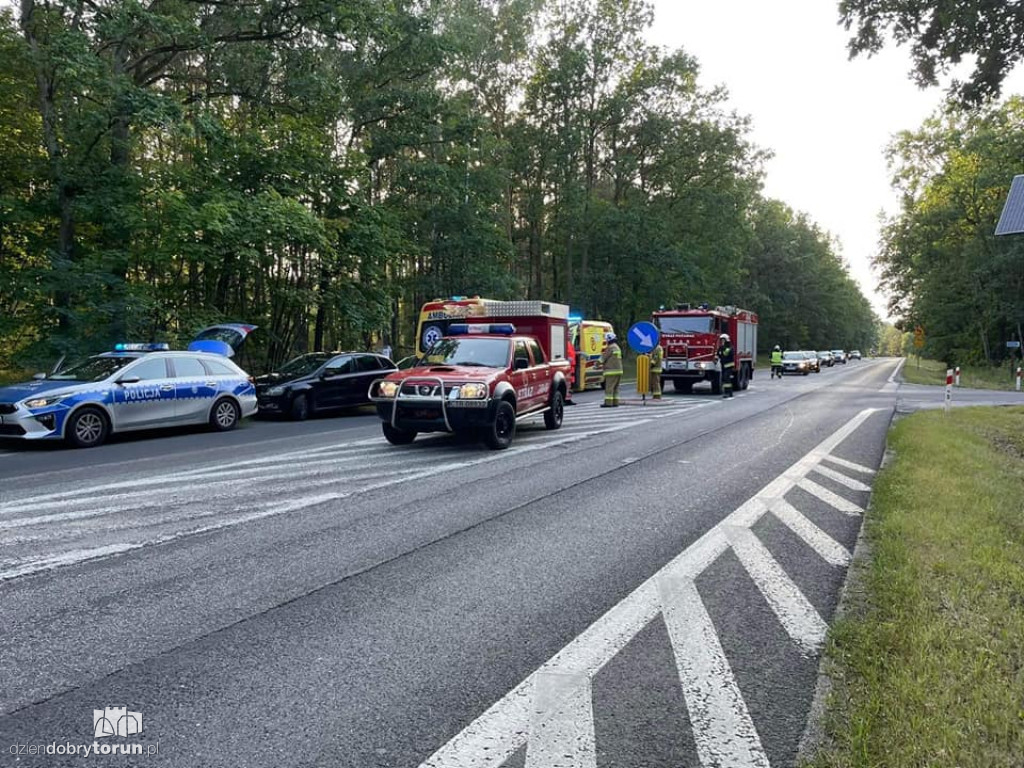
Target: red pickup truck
(479, 379)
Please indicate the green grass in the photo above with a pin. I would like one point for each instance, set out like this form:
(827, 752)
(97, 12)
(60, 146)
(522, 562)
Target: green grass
(923, 371)
(927, 662)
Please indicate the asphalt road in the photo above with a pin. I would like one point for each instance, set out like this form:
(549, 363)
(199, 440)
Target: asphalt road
(648, 586)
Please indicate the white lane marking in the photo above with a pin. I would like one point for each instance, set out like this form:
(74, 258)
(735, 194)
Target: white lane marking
(722, 728)
(505, 726)
(839, 477)
(796, 614)
(895, 372)
(830, 498)
(563, 723)
(830, 550)
(850, 465)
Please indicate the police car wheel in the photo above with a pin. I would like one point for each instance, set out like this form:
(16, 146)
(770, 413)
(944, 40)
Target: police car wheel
(87, 428)
(553, 416)
(300, 408)
(398, 436)
(499, 433)
(225, 415)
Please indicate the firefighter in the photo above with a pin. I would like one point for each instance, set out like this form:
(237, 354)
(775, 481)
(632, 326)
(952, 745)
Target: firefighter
(657, 355)
(727, 357)
(777, 362)
(611, 361)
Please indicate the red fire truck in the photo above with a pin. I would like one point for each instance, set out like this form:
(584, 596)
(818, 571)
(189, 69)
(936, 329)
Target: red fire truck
(689, 337)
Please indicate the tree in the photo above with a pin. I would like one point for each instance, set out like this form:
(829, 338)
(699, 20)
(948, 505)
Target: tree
(942, 34)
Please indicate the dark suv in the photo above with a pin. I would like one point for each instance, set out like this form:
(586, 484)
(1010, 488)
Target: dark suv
(320, 381)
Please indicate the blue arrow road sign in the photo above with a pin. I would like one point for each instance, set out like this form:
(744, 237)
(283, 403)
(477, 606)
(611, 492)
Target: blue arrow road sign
(643, 337)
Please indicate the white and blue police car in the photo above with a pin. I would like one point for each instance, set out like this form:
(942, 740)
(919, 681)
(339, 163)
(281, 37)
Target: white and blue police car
(135, 386)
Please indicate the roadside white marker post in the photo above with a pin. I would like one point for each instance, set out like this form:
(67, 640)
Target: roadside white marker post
(957, 382)
(1018, 378)
(949, 388)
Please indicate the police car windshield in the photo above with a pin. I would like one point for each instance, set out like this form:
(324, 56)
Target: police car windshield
(684, 324)
(93, 369)
(304, 364)
(468, 350)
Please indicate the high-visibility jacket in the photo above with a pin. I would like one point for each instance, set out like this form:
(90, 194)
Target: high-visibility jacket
(611, 359)
(657, 354)
(776, 357)
(727, 358)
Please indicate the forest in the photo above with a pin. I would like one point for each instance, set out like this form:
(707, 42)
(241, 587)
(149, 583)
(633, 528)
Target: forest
(320, 168)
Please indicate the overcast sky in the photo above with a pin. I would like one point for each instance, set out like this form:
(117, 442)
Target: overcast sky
(827, 119)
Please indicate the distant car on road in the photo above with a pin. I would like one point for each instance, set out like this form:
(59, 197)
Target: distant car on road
(320, 381)
(135, 386)
(839, 355)
(812, 357)
(826, 358)
(855, 354)
(796, 362)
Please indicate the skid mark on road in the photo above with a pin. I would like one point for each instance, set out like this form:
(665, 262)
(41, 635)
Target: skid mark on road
(723, 730)
(41, 531)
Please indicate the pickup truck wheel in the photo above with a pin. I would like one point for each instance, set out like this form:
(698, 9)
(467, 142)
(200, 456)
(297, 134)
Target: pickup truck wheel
(398, 436)
(553, 416)
(499, 433)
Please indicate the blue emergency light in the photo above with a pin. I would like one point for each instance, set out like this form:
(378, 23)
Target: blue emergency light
(161, 346)
(575, 318)
(500, 329)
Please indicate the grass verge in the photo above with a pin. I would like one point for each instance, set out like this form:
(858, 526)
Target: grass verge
(923, 371)
(927, 662)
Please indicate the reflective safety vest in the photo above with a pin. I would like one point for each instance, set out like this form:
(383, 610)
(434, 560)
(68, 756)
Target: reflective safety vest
(611, 359)
(726, 356)
(656, 356)
(776, 357)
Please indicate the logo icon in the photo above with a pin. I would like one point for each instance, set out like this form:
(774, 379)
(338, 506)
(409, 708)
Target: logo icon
(116, 721)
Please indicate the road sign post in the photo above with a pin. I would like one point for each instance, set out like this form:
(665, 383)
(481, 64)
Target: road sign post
(957, 376)
(643, 377)
(949, 389)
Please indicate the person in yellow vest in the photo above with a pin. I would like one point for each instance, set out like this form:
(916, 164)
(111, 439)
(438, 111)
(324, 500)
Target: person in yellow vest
(657, 355)
(611, 361)
(776, 362)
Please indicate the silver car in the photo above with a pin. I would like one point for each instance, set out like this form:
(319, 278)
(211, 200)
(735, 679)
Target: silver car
(134, 387)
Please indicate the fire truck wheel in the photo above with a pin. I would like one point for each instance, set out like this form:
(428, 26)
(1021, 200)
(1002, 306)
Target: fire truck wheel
(716, 384)
(499, 433)
(553, 416)
(398, 436)
(686, 387)
(743, 380)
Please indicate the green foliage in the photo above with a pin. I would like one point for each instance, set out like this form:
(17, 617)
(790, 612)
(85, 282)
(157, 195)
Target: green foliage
(944, 267)
(320, 170)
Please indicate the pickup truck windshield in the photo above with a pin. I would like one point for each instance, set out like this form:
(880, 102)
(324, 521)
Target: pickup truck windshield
(472, 351)
(684, 324)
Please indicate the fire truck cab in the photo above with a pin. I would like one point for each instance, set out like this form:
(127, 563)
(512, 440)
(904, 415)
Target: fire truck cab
(689, 338)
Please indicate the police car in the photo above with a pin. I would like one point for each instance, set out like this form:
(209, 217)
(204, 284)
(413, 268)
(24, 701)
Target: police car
(135, 386)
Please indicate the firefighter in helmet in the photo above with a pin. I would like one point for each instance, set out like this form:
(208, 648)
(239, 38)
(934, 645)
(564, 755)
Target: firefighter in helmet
(727, 358)
(657, 355)
(611, 361)
(777, 361)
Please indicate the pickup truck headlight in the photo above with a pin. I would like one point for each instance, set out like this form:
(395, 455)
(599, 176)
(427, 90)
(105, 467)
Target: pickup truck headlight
(387, 389)
(275, 391)
(473, 391)
(43, 402)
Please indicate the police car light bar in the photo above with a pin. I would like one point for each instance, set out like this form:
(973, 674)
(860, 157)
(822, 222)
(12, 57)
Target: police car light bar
(136, 347)
(501, 329)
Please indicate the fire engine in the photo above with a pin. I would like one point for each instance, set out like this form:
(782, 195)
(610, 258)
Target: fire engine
(689, 338)
(483, 376)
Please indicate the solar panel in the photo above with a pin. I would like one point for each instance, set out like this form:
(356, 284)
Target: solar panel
(1011, 222)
